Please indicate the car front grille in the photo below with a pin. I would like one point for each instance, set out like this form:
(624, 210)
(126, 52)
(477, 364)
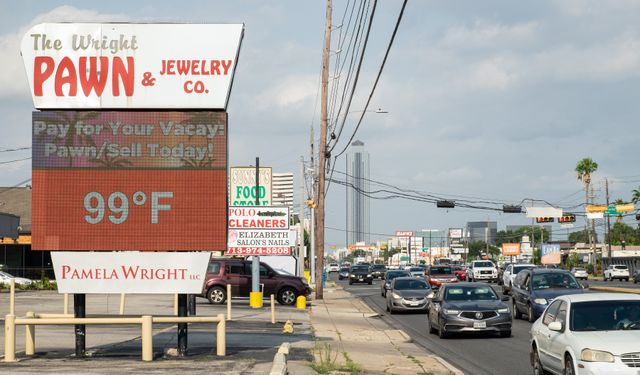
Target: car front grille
(485, 272)
(472, 314)
(631, 359)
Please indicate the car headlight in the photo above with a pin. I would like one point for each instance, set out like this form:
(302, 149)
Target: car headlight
(396, 296)
(450, 312)
(352, 275)
(453, 279)
(503, 311)
(368, 275)
(430, 295)
(590, 355)
(540, 301)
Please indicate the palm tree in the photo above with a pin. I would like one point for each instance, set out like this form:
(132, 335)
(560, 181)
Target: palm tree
(635, 196)
(584, 168)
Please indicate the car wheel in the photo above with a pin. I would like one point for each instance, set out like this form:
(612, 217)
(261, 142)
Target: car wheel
(441, 332)
(388, 309)
(505, 333)
(515, 312)
(537, 365)
(635, 280)
(287, 296)
(432, 330)
(350, 282)
(370, 282)
(530, 314)
(626, 279)
(568, 365)
(217, 295)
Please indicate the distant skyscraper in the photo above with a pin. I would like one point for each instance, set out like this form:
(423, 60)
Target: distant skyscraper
(482, 231)
(358, 209)
(282, 189)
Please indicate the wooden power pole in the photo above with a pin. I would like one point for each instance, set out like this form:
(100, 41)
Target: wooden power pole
(322, 154)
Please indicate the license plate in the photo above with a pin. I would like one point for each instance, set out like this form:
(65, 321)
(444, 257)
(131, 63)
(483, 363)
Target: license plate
(479, 324)
(414, 303)
(360, 279)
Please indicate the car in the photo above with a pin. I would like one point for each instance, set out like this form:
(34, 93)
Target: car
(438, 275)
(343, 273)
(636, 276)
(510, 274)
(460, 272)
(534, 289)
(501, 268)
(360, 274)
(408, 294)
(579, 273)
(5, 278)
(468, 307)
(482, 270)
(237, 273)
(333, 267)
(594, 333)
(378, 271)
(388, 277)
(417, 271)
(616, 271)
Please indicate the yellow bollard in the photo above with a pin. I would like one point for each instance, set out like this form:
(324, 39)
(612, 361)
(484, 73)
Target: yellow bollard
(30, 336)
(307, 275)
(12, 296)
(301, 302)
(122, 298)
(175, 304)
(228, 301)
(66, 303)
(147, 338)
(10, 338)
(273, 309)
(221, 339)
(255, 300)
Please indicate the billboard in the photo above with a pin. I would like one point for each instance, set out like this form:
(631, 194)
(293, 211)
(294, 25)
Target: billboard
(146, 181)
(455, 233)
(509, 249)
(404, 233)
(550, 254)
(124, 65)
(259, 231)
(242, 186)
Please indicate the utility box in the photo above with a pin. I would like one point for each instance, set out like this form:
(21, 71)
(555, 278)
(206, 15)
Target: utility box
(9, 225)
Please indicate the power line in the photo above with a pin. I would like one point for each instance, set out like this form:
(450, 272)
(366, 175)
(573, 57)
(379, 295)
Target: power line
(15, 149)
(14, 161)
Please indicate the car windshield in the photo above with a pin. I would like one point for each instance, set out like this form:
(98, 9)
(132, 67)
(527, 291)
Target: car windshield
(416, 269)
(344, 269)
(441, 271)
(620, 267)
(517, 269)
(483, 264)
(333, 265)
(280, 271)
(605, 316)
(410, 284)
(393, 275)
(563, 280)
(378, 267)
(359, 268)
(470, 293)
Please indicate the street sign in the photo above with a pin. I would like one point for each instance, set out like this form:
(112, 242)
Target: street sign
(534, 212)
(404, 258)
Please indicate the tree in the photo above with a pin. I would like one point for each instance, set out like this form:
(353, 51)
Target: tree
(635, 196)
(579, 236)
(516, 235)
(621, 232)
(477, 248)
(584, 169)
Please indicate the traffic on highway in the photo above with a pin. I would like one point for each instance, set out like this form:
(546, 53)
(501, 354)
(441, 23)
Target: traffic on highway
(540, 321)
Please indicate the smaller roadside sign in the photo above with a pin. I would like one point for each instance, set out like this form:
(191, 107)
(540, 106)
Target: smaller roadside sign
(404, 233)
(259, 242)
(550, 254)
(509, 249)
(259, 217)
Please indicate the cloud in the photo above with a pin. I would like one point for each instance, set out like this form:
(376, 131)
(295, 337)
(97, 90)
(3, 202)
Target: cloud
(289, 92)
(13, 80)
(484, 34)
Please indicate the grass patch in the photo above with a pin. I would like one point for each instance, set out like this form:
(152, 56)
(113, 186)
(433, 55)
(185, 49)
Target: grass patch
(326, 358)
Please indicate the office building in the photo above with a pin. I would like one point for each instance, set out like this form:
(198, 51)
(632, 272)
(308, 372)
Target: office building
(282, 190)
(358, 205)
(485, 231)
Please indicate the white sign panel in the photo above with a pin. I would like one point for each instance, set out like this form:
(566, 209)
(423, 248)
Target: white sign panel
(270, 217)
(242, 186)
(259, 242)
(123, 65)
(130, 272)
(543, 212)
(455, 233)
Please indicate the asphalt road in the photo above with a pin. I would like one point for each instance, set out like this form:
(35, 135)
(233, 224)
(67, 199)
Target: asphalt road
(473, 354)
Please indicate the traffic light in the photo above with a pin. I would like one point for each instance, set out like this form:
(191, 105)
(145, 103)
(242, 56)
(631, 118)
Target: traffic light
(311, 203)
(545, 220)
(568, 218)
(511, 209)
(445, 204)
(637, 216)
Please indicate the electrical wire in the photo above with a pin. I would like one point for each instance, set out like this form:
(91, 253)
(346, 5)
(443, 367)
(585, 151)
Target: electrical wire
(14, 161)
(15, 149)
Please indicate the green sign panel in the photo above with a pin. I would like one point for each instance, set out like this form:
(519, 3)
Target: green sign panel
(404, 257)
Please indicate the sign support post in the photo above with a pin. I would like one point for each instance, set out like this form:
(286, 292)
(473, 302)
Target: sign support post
(182, 327)
(79, 311)
(255, 299)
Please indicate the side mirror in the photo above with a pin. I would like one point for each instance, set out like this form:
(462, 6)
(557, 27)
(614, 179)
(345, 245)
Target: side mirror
(505, 298)
(585, 285)
(555, 326)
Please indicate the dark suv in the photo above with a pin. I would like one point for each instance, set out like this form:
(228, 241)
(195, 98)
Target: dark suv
(237, 273)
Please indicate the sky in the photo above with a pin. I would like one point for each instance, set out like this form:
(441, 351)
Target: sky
(493, 99)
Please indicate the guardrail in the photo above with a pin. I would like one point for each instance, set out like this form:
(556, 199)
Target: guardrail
(145, 321)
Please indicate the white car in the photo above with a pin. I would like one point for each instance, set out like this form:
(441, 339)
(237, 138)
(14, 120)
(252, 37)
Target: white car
(5, 279)
(616, 271)
(579, 273)
(333, 267)
(482, 270)
(591, 333)
(510, 273)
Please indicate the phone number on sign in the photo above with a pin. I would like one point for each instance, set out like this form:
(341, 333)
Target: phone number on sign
(259, 251)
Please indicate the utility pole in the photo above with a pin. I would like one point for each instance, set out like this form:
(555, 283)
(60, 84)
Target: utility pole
(606, 181)
(322, 152)
(301, 223)
(256, 301)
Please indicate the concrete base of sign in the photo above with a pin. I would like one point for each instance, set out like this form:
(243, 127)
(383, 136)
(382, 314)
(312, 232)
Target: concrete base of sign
(255, 300)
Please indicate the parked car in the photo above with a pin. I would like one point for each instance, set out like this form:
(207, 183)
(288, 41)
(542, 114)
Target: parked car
(510, 274)
(237, 273)
(6, 277)
(534, 289)
(333, 267)
(579, 273)
(360, 274)
(595, 333)
(460, 272)
(482, 270)
(388, 277)
(468, 307)
(636, 276)
(343, 273)
(378, 271)
(408, 294)
(417, 271)
(438, 275)
(616, 271)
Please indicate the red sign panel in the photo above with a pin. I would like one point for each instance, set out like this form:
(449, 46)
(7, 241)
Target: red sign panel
(148, 181)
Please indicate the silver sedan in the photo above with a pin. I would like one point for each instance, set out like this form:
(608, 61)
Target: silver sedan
(408, 294)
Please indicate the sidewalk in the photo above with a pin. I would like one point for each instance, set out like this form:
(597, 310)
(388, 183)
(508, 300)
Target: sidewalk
(350, 338)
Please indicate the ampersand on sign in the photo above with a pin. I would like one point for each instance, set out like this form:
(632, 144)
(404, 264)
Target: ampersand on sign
(147, 80)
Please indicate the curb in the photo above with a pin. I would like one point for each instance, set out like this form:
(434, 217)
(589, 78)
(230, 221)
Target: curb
(279, 366)
(614, 289)
(448, 365)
